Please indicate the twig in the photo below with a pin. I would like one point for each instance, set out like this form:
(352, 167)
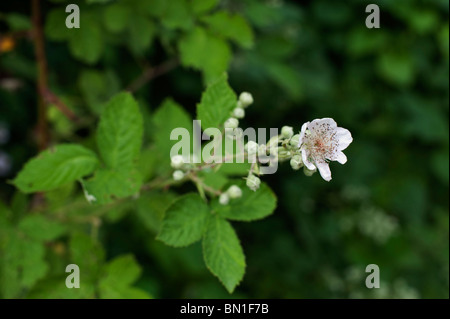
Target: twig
(38, 38)
(51, 98)
(151, 73)
(46, 96)
(211, 190)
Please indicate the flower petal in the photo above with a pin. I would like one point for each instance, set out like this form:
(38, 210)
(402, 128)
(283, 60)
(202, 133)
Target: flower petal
(302, 133)
(328, 120)
(324, 170)
(307, 163)
(341, 158)
(345, 138)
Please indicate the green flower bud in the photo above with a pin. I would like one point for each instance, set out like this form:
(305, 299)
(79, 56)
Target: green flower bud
(224, 199)
(287, 131)
(234, 191)
(308, 172)
(251, 147)
(231, 123)
(177, 161)
(239, 113)
(295, 140)
(178, 175)
(262, 150)
(296, 162)
(246, 99)
(253, 182)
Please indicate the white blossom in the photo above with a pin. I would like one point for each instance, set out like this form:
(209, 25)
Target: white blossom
(322, 141)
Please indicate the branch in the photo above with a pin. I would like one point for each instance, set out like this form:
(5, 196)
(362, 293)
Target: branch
(151, 73)
(38, 38)
(44, 93)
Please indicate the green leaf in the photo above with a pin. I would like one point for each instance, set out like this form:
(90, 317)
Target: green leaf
(18, 22)
(201, 6)
(216, 104)
(121, 271)
(86, 43)
(177, 15)
(116, 17)
(142, 32)
(55, 25)
(184, 221)
(397, 68)
(55, 167)
(97, 88)
(108, 185)
(251, 206)
(88, 254)
(40, 228)
(22, 263)
(151, 207)
(119, 134)
(205, 52)
(233, 27)
(223, 253)
(55, 288)
(169, 116)
(118, 275)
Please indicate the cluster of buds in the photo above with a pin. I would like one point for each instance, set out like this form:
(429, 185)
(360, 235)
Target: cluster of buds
(181, 165)
(245, 99)
(233, 192)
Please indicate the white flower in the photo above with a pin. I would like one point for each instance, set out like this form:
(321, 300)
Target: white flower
(245, 99)
(321, 141)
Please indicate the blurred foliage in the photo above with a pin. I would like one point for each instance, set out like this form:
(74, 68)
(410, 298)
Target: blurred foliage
(387, 206)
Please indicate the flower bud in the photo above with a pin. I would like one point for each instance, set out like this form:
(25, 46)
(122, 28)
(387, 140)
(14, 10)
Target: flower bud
(239, 113)
(246, 99)
(262, 150)
(308, 172)
(295, 140)
(251, 147)
(178, 175)
(253, 182)
(296, 162)
(231, 123)
(234, 191)
(287, 131)
(177, 161)
(224, 199)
